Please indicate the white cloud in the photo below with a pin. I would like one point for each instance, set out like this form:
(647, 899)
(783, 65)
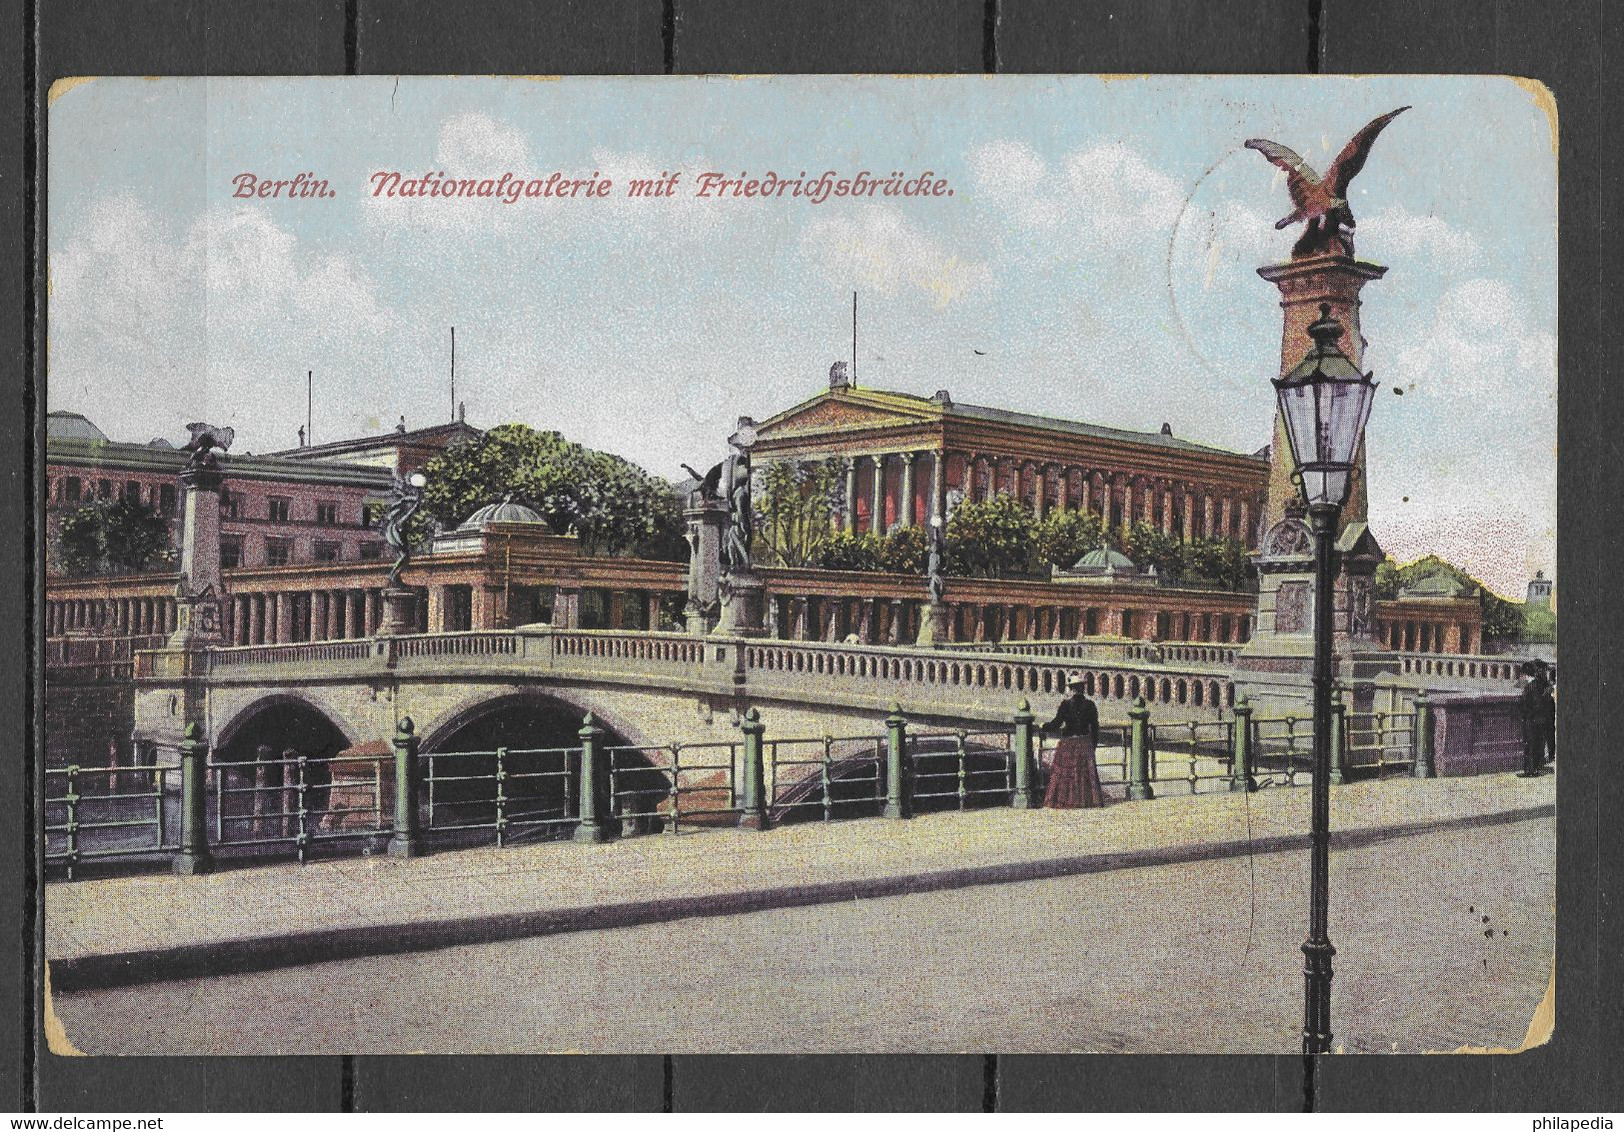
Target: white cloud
(1107, 194)
(1397, 232)
(225, 317)
(1480, 344)
(473, 144)
(1465, 462)
(877, 249)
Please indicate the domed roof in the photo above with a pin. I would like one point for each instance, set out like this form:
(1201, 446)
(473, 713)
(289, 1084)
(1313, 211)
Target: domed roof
(1105, 560)
(1435, 585)
(505, 511)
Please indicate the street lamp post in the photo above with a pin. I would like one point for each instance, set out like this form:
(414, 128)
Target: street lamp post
(1325, 401)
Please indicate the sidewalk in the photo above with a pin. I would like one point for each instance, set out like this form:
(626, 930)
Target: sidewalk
(147, 928)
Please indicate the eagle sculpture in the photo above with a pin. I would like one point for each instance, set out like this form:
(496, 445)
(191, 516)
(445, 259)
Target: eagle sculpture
(709, 486)
(207, 440)
(1323, 201)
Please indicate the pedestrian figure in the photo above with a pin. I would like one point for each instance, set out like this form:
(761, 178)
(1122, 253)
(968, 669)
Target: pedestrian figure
(1538, 719)
(1074, 780)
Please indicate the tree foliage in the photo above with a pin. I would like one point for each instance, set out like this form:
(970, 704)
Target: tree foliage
(995, 538)
(796, 510)
(903, 551)
(1148, 546)
(614, 506)
(116, 537)
(1221, 561)
(1503, 620)
(1065, 536)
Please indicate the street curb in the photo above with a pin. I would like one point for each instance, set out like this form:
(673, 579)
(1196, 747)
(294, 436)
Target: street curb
(298, 949)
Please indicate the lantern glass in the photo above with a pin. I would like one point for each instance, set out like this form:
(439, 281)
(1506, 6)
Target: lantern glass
(1325, 401)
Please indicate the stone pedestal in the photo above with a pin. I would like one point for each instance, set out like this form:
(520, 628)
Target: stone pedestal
(707, 518)
(932, 625)
(197, 593)
(744, 606)
(399, 613)
(1274, 669)
(1304, 284)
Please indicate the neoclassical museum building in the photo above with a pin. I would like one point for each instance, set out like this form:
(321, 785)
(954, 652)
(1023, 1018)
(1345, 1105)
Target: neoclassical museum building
(905, 454)
(302, 559)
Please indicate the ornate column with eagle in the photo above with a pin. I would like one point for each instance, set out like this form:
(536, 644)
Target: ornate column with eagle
(200, 590)
(1319, 287)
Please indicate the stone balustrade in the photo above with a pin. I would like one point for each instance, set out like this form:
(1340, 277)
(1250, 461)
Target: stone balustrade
(957, 682)
(1461, 666)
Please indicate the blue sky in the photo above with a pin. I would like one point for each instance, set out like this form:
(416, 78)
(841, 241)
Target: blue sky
(1100, 247)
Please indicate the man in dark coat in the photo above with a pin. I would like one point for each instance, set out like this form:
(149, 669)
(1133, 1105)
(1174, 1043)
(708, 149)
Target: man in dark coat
(1538, 719)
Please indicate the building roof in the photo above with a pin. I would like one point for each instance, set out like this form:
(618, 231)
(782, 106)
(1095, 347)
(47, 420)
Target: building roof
(1104, 560)
(118, 456)
(63, 425)
(1436, 585)
(505, 511)
(868, 406)
(438, 436)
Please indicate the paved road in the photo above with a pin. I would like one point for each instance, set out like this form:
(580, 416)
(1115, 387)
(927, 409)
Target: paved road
(1444, 940)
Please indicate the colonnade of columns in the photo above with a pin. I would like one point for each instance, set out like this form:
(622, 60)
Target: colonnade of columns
(1414, 635)
(884, 491)
(284, 616)
(113, 616)
(882, 620)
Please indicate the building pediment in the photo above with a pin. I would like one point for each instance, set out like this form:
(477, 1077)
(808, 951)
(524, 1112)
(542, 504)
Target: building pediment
(837, 413)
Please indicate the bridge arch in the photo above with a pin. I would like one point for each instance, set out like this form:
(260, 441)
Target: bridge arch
(281, 721)
(524, 718)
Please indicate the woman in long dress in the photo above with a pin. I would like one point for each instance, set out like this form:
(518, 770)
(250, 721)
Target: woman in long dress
(1074, 780)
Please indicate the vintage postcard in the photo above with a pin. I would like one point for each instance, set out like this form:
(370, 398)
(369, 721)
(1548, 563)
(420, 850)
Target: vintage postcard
(800, 564)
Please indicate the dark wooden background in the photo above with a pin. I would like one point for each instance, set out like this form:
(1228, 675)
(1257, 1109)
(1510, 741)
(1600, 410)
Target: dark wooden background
(1561, 44)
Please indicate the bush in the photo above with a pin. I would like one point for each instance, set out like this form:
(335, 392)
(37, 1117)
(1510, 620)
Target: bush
(120, 537)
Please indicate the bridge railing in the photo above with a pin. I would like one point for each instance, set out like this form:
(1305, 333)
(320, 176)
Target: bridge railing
(297, 804)
(663, 787)
(515, 793)
(93, 813)
(298, 801)
(1462, 666)
(972, 682)
(1105, 651)
(1195, 754)
(825, 777)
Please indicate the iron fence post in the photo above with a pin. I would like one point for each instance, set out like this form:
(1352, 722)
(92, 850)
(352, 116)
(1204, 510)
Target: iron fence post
(1339, 737)
(592, 828)
(1240, 763)
(1139, 788)
(405, 841)
(1022, 798)
(896, 738)
(1424, 767)
(754, 815)
(194, 858)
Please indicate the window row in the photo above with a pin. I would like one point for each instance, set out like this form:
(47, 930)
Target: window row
(283, 552)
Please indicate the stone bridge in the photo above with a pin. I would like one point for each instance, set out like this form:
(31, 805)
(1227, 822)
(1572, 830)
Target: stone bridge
(531, 686)
(646, 689)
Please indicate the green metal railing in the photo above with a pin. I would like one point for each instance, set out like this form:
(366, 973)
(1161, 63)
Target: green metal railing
(96, 813)
(590, 792)
(960, 769)
(1195, 755)
(513, 792)
(825, 778)
(668, 785)
(298, 800)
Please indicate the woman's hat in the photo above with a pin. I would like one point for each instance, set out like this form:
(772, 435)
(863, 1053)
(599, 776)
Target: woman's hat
(1075, 680)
